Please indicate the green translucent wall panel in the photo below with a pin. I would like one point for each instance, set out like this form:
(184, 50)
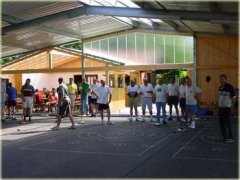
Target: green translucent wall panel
(104, 47)
(149, 48)
(122, 47)
(145, 48)
(169, 49)
(88, 46)
(188, 49)
(113, 47)
(96, 46)
(140, 48)
(131, 46)
(159, 49)
(179, 49)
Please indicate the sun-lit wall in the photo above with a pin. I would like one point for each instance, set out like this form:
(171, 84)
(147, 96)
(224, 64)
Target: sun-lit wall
(144, 48)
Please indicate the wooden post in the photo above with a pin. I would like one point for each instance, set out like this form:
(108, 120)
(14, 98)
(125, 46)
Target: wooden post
(50, 63)
(107, 75)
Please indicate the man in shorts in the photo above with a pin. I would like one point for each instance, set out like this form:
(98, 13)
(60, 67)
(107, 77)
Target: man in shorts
(11, 101)
(146, 91)
(27, 100)
(64, 103)
(161, 95)
(173, 90)
(72, 92)
(182, 99)
(132, 92)
(104, 97)
(93, 98)
(3, 98)
(191, 101)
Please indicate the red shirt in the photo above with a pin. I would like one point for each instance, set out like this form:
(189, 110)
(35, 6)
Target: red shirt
(38, 97)
(52, 97)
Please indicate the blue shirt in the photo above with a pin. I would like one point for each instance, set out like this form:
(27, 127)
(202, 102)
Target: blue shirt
(12, 93)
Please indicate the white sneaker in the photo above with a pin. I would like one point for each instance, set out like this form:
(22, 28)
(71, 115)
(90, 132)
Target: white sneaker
(157, 124)
(130, 119)
(143, 119)
(193, 126)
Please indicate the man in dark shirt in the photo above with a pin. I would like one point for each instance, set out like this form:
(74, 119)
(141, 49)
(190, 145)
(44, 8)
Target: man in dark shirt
(27, 99)
(11, 101)
(225, 104)
(64, 103)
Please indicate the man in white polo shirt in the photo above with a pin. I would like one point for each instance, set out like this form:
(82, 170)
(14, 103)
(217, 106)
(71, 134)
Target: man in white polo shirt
(161, 95)
(132, 92)
(146, 90)
(173, 91)
(191, 100)
(104, 96)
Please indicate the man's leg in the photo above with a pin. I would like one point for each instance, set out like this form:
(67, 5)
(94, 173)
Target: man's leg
(177, 112)
(108, 115)
(170, 112)
(101, 115)
(228, 123)
(221, 121)
(164, 112)
(143, 108)
(158, 111)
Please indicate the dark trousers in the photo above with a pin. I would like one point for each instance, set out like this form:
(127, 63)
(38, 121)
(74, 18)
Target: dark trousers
(225, 123)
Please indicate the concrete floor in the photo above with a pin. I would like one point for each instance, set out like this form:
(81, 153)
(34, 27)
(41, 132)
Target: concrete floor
(124, 150)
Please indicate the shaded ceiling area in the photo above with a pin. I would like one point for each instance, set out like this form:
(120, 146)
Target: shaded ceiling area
(28, 26)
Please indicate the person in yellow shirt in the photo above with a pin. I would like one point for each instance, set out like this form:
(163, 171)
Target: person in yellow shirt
(72, 92)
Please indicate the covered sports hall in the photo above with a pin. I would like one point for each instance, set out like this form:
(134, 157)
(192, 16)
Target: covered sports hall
(119, 40)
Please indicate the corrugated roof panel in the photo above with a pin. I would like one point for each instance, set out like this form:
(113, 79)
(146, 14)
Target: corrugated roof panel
(30, 10)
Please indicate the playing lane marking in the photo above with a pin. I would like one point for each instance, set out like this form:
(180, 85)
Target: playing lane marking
(204, 159)
(188, 142)
(152, 146)
(84, 152)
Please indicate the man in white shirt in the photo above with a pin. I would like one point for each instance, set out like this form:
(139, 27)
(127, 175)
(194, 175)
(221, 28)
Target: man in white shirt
(132, 92)
(173, 90)
(182, 98)
(93, 98)
(161, 95)
(191, 100)
(104, 96)
(146, 90)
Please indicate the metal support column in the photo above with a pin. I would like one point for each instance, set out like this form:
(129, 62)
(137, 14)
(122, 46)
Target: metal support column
(83, 61)
(194, 60)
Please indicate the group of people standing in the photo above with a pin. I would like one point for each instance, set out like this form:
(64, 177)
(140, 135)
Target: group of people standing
(185, 96)
(163, 94)
(98, 96)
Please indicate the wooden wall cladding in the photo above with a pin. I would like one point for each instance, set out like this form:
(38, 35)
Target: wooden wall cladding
(215, 55)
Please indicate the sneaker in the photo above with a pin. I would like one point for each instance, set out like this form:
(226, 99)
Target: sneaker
(30, 120)
(157, 124)
(193, 126)
(229, 141)
(55, 128)
(110, 123)
(170, 119)
(136, 119)
(181, 129)
(178, 119)
(130, 119)
(152, 120)
(164, 123)
(143, 119)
